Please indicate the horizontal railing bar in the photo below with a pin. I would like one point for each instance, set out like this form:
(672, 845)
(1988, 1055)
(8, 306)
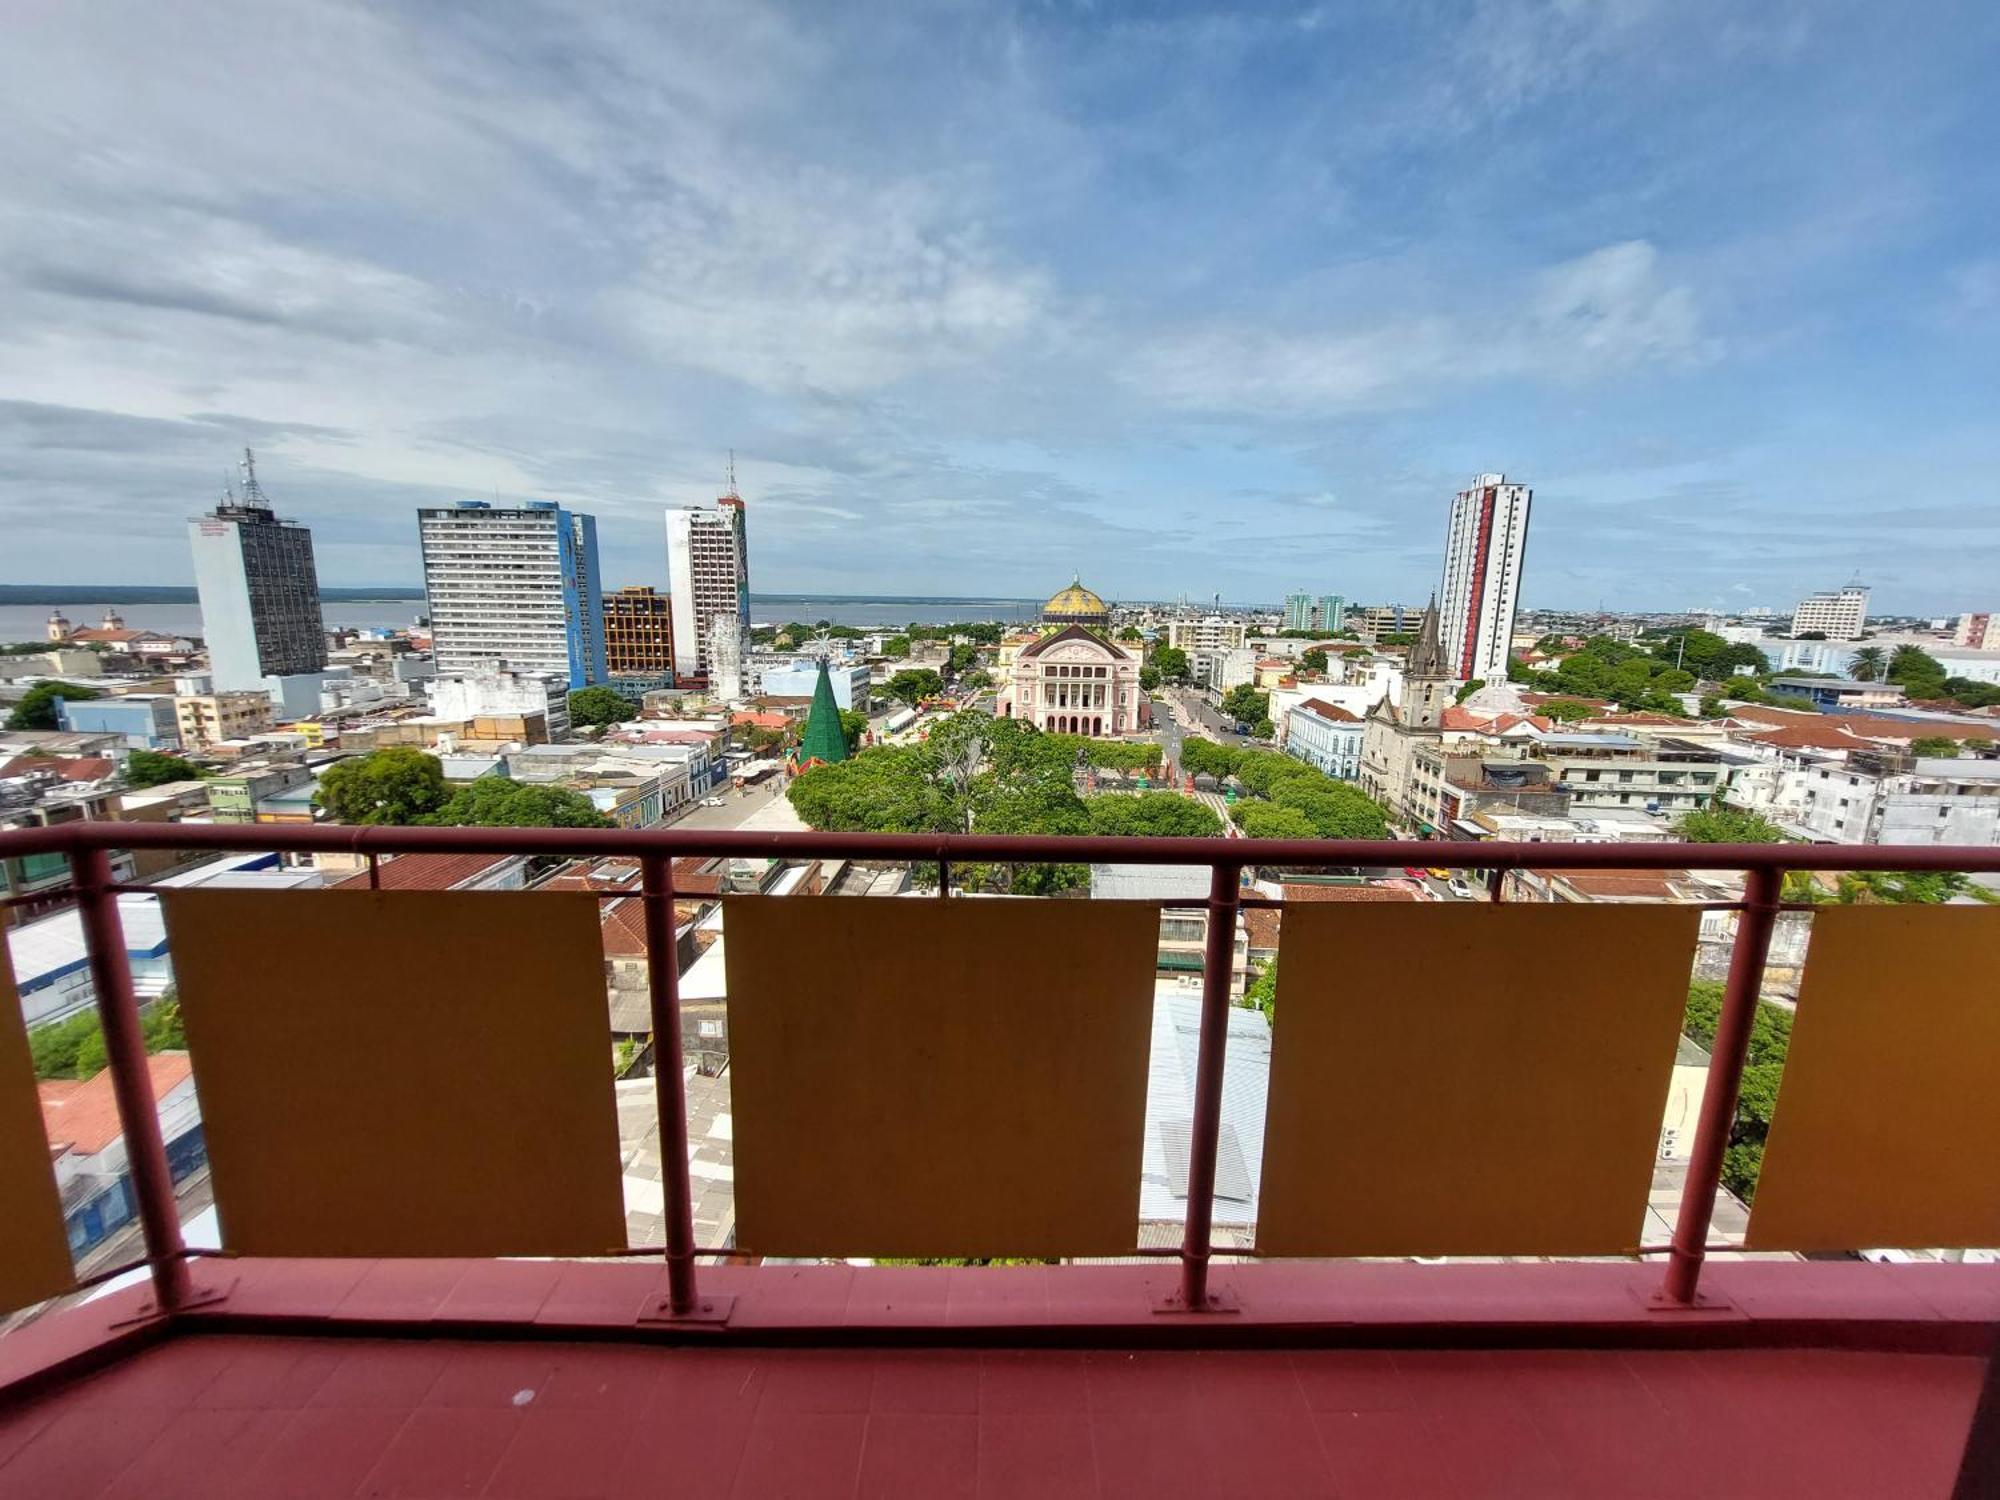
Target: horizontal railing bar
(987, 848)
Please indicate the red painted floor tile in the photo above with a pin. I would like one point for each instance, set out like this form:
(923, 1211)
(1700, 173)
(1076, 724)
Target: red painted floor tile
(1153, 1457)
(801, 1456)
(1252, 1382)
(1386, 1453)
(710, 1381)
(603, 1378)
(20, 1424)
(383, 1373)
(915, 1454)
(323, 1453)
(678, 1454)
(1488, 1455)
(562, 1454)
(271, 1374)
(447, 1451)
(397, 1289)
(1018, 1381)
(1273, 1454)
(199, 1455)
(935, 1382)
(1352, 1380)
(819, 1380)
(1140, 1380)
(1035, 1457)
(492, 1375)
(81, 1451)
(170, 1375)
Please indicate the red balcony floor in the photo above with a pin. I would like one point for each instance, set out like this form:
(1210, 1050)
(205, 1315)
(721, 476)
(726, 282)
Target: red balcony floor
(265, 1415)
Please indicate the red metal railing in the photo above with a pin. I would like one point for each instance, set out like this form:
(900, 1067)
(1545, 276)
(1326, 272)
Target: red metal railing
(89, 844)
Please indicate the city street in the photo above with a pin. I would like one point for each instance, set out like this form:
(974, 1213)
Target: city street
(737, 807)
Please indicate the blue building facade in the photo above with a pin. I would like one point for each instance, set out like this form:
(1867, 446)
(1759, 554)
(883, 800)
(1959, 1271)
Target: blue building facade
(145, 719)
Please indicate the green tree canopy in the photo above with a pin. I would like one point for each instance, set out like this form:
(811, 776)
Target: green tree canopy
(1313, 661)
(1202, 757)
(37, 707)
(853, 724)
(896, 646)
(399, 784)
(144, 768)
(1152, 815)
(1131, 633)
(1568, 710)
(1467, 689)
(1245, 703)
(1172, 663)
(1727, 825)
(1267, 820)
(1868, 664)
(1934, 746)
(1149, 677)
(494, 802)
(597, 705)
(913, 684)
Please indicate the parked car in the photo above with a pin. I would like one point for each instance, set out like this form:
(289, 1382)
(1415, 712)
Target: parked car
(1437, 874)
(1457, 886)
(714, 802)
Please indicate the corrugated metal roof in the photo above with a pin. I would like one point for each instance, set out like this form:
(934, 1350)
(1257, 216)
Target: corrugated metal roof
(1246, 1077)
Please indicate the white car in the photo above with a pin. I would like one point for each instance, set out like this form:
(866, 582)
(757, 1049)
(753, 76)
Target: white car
(714, 802)
(1459, 888)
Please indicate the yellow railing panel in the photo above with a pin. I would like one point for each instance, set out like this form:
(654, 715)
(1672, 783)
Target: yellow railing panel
(1887, 1126)
(1469, 1080)
(34, 1247)
(408, 1073)
(922, 1078)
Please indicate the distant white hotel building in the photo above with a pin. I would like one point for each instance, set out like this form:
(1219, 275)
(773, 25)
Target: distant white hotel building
(1209, 633)
(514, 584)
(1484, 545)
(708, 574)
(1838, 615)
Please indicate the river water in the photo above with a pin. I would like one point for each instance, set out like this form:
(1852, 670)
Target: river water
(28, 622)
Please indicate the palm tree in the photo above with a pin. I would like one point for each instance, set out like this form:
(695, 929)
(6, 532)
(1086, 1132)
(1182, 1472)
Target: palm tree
(1868, 664)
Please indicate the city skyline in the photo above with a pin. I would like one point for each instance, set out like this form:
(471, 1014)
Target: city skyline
(1715, 284)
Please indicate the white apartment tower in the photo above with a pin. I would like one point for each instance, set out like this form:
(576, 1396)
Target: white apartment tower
(1838, 615)
(259, 590)
(1484, 545)
(708, 575)
(515, 585)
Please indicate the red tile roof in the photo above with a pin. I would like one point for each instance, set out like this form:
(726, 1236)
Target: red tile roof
(1394, 890)
(424, 872)
(1330, 711)
(84, 768)
(83, 1115)
(1621, 885)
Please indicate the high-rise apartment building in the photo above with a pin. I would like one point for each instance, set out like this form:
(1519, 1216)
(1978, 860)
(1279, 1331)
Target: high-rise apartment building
(1979, 631)
(638, 633)
(708, 574)
(259, 590)
(517, 585)
(1484, 545)
(1837, 614)
(1314, 611)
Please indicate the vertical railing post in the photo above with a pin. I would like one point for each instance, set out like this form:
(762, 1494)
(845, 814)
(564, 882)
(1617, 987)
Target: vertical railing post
(131, 1079)
(1761, 890)
(944, 877)
(663, 983)
(1218, 961)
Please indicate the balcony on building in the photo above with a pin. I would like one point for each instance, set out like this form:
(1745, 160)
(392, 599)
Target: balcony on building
(596, 1162)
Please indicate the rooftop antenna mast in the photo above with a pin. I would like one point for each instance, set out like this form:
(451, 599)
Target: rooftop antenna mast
(732, 473)
(252, 493)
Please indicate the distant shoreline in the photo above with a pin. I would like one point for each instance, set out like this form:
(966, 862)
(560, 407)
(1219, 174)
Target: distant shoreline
(137, 593)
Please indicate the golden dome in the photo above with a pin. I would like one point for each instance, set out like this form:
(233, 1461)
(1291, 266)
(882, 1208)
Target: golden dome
(1075, 603)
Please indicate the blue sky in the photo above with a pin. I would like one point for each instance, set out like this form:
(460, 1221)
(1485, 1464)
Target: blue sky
(1215, 299)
